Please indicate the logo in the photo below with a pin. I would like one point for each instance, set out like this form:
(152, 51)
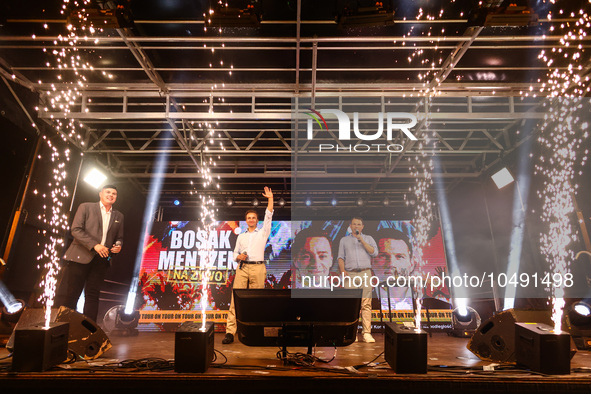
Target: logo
(395, 122)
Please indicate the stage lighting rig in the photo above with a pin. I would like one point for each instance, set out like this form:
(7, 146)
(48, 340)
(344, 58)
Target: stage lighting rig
(359, 15)
(464, 321)
(509, 13)
(101, 14)
(241, 15)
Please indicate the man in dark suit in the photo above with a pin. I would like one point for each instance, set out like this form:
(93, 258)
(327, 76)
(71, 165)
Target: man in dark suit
(98, 235)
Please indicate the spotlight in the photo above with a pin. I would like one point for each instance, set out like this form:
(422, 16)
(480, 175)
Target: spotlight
(502, 178)
(464, 321)
(117, 322)
(578, 323)
(12, 312)
(360, 202)
(386, 201)
(95, 178)
(229, 201)
(582, 309)
(255, 202)
(177, 202)
(281, 202)
(334, 201)
(308, 201)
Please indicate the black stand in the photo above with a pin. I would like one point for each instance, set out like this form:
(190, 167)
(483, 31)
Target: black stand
(304, 332)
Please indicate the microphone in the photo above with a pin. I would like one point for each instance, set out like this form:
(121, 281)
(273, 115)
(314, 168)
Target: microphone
(357, 233)
(110, 257)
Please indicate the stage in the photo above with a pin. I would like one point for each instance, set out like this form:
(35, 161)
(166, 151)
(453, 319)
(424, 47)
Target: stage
(143, 363)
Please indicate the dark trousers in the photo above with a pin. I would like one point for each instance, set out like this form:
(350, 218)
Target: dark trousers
(89, 277)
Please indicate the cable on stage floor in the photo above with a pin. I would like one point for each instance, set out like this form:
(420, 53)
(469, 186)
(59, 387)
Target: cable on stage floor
(215, 357)
(303, 359)
(369, 363)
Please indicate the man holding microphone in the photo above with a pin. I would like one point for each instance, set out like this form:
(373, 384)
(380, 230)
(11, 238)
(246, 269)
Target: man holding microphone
(355, 253)
(98, 234)
(249, 253)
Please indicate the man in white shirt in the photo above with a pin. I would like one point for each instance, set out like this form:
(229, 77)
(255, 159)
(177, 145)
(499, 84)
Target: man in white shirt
(355, 253)
(250, 255)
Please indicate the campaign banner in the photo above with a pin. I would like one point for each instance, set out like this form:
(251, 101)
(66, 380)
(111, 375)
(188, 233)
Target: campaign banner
(399, 316)
(174, 256)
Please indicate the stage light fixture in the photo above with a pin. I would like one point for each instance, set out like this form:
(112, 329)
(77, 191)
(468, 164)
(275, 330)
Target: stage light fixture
(502, 178)
(582, 309)
(308, 201)
(255, 202)
(464, 321)
(12, 312)
(95, 178)
(578, 324)
(225, 16)
(281, 202)
(334, 201)
(119, 323)
(177, 202)
(370, 15)
(386, 201)
(229, 202)
(118, 17)
(360, 202)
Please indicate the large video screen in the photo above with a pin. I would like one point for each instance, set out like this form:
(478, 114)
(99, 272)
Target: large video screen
(172, 265)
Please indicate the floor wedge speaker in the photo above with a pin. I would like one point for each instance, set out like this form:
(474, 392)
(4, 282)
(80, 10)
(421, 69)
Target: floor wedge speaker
(87, 339)
(495, 338)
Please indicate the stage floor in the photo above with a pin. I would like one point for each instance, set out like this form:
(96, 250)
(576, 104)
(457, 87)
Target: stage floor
(142, 363)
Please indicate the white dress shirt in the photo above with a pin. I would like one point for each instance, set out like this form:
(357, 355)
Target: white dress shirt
(254, 242)
(106, 215)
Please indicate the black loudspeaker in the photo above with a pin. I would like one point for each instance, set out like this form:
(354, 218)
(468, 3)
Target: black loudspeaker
(495, 338)
(405, 348)
(86, 339)
(39, 348)
(193, 347)
(539, 348)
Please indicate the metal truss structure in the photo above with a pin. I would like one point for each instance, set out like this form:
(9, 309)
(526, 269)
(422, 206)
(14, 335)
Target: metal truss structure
(192, 95)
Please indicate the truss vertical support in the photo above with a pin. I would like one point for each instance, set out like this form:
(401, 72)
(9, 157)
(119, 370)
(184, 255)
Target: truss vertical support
(314, 69)
(298, 39)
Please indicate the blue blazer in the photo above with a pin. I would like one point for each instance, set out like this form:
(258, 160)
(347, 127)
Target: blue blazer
(87, 230)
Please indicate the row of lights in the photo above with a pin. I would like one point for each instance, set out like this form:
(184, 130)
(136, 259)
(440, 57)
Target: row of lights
(255, 202)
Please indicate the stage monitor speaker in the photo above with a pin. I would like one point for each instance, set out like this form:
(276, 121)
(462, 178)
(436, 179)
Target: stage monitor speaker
(540, 349)
(39, 348)
(86, 339)
(405, 348)
(495, 338)
(193, 347)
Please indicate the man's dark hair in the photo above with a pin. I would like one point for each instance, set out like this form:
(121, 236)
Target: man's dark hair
(251, 211)
(392, 233)
(300, 239)
(109, 187)
(358, 218)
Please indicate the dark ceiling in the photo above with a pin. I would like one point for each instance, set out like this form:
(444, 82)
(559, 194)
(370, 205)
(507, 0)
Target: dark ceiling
(174, 83)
